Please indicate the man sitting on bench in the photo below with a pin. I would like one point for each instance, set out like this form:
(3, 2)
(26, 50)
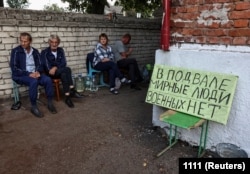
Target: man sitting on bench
(27, 70)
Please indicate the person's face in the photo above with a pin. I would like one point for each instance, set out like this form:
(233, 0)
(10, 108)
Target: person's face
(103, 40)
(125, 40)
(53, 43)
(25, 42)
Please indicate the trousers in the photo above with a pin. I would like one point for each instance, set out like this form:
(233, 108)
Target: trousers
(113, 70)
(33, 83)
(133, 70)
(65, 75)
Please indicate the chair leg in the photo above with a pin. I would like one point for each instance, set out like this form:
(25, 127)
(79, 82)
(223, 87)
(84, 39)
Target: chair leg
(172, 140)
(15, 92)
(56, 83)
(102, 83)
(203, 139)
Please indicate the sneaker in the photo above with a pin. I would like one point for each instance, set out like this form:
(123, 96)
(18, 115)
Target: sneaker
(126, 81)
(69, 102)
(114, 91)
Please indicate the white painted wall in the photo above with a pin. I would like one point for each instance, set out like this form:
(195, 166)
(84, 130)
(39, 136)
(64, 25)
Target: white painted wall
(230, 60)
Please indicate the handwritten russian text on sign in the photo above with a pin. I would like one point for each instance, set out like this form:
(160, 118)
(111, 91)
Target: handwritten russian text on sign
(203, 94)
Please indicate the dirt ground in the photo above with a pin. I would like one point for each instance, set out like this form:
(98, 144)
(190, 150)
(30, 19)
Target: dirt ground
(103, 134)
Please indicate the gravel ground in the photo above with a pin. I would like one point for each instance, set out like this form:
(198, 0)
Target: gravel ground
(103, 134)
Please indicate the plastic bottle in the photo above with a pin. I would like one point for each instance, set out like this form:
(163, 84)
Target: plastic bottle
(94, 87)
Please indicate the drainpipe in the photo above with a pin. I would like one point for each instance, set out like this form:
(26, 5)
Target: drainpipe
(165, 28)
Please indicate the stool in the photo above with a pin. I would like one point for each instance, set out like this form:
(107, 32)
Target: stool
(182, 120)
(56, 83)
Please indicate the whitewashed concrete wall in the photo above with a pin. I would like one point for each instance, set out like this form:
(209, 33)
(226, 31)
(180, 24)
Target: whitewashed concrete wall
(230, 60)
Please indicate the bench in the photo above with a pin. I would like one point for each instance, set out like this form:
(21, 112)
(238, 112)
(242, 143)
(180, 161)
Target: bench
(16, 96)
(17, 103)
(192, 99)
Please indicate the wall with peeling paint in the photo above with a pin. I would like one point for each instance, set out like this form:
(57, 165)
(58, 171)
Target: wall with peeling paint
(213, 37)
(207, 22)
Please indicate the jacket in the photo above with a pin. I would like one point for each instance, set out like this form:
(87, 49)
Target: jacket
(18, 62)
(49, 59)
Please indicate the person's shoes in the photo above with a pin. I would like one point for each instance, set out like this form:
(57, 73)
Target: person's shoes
(74, 93)
(77, 95)
(133, 86)
(113, 91)
(125, 81)
(16, 105)
(69, 102)
(35, 111)
(52, 108)
(139, 80)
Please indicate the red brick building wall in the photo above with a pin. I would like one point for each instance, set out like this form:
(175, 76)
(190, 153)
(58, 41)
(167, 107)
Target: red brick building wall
(223, 22)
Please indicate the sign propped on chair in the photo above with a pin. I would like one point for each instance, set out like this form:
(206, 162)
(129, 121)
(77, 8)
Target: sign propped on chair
(207, 95)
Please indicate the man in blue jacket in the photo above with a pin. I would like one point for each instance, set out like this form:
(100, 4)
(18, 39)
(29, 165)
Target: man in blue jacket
(27, 69)
(55, 66)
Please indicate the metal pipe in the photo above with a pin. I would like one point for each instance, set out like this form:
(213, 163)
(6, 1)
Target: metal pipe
(165, 29)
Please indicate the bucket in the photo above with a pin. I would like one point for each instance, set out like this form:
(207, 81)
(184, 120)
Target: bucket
(227, 150)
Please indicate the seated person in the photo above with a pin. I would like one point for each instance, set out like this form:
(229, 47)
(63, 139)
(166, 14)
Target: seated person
(104, 61)
(122, 50)
(55, 66)
(27, 70)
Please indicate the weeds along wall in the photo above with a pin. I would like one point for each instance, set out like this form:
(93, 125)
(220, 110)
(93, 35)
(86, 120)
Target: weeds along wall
(79, 35)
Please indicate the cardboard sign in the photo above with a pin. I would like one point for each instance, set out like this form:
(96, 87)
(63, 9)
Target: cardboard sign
(207, 95)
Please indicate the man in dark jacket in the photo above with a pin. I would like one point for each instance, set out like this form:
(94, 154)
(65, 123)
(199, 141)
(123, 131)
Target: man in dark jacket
(27, 70)
(55, 66)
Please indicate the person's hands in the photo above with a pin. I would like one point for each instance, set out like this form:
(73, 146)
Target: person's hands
(126, 54)
(52, 71)
(35, 75)
(105, 59)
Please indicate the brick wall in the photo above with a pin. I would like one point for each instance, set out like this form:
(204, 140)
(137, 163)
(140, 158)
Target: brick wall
(223, 22)
(79, 34)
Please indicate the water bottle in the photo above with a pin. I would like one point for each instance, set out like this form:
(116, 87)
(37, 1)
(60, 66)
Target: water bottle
(79, 84)
(94, 87)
